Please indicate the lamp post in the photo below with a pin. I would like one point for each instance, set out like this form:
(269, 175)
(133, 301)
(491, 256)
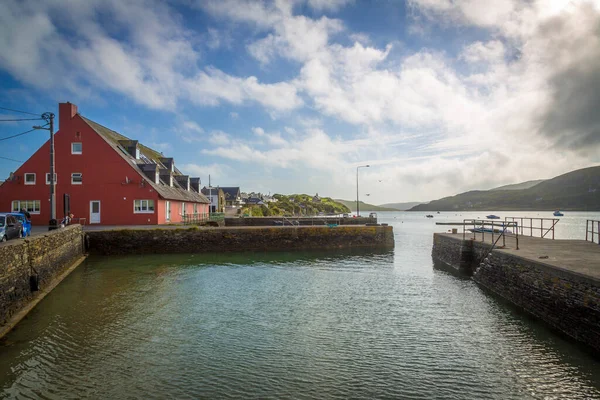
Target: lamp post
(357, 206)
(49, 118)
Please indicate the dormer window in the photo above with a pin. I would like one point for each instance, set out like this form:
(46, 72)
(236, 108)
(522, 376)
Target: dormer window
(171, 180)
(137, 153)
(157, 178)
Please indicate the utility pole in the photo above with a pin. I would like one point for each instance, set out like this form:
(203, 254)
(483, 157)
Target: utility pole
(49, 118)
(357, 206)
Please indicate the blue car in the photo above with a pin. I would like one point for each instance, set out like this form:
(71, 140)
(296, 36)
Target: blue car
(24, 222)
(10, 227)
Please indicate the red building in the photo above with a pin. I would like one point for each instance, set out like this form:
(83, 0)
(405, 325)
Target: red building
(110, 179)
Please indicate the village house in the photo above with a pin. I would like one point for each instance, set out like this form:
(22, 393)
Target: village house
(110, 179)
(216, 197)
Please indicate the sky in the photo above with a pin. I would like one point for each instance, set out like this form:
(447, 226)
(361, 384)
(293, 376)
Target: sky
(437, 96)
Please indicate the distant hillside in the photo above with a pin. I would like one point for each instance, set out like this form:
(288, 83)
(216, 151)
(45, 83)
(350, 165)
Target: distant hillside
(364, 206)
(519, 186)
(296, 204)
(576, 191)
(401, 206)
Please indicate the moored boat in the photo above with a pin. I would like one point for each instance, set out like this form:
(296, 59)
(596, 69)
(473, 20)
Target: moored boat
(557, 213)
(492, 216)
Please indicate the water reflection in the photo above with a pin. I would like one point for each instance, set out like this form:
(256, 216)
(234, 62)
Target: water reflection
(355, 323)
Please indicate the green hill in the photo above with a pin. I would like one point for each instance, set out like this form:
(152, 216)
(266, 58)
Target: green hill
(401, 206)
(575, 191)
(364, 206)
(519, 186)
(296, 204)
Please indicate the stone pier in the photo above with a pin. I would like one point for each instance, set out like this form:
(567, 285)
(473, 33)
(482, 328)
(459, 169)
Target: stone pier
(557, 281)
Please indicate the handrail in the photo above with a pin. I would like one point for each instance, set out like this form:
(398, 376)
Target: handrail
(491, 226)
(531, 227)
(590, 224)
(190, 219)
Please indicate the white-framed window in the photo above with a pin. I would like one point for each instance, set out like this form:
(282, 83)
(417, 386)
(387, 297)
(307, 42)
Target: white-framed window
(29, 178)
(76, 178)
(171, 180)
(76, 148)
(31, 206)
(183, 209)
(137, 153)
(48, 178)
(157, 178)
(143, 206)
(167, 210)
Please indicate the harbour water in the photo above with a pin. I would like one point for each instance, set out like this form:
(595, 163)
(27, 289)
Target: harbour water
(338, 324)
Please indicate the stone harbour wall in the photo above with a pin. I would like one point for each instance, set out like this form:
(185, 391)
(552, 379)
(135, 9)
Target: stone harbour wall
(568, 302)
(312, 221)
(461, 255)
(203, 240)
(44, 256)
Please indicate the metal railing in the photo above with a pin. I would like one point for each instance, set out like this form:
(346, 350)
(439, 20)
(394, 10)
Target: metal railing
(535, 224)
(496, 229)
(191, 219)
(217, 216)
(590, 233)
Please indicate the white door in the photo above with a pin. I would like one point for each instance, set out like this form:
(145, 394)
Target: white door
(168, 210)
(94, 212)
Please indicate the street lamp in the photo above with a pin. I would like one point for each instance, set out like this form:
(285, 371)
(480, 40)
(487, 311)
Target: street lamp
(49, 118)
(357, 207)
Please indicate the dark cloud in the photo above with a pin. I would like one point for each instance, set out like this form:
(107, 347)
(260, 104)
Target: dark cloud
(572, 119)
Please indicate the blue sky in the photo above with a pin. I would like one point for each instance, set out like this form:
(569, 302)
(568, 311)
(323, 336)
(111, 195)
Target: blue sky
(438, 96)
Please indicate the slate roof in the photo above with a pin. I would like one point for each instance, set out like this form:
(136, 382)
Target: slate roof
(147, 156)
(231, 193)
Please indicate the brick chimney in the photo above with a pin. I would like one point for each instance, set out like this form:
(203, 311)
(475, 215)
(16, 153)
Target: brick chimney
(66, 112)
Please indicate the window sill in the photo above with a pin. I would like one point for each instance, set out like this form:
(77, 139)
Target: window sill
(143, 212)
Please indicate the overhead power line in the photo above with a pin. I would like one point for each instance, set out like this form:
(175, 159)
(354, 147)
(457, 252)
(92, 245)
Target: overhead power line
(18, 111)
(19, 134)
(20, 119)
(11, 159)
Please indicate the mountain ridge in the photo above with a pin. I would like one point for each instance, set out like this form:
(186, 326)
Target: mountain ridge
(577, 190)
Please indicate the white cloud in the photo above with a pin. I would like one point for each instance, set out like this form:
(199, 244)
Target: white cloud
(491, 52)
(219, 138)
(218, 172)
(212, 86)
(328, 5)
(155, 63)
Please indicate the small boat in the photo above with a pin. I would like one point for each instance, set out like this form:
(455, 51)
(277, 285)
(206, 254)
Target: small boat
(492, 216)
(557, 213)
(489, 230)
(429, 216)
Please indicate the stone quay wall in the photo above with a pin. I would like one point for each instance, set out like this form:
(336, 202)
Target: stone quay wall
(303, 221)
(566, 301)
(204, 240)
(462, 255)
(44, 256)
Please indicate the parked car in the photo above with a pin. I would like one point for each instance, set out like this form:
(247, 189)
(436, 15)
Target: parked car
(25, 222)
(10, 227)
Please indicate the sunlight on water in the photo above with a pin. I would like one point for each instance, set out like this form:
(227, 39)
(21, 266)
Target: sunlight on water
(361, 324)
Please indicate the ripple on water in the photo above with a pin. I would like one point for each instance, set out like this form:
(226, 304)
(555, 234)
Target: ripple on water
(304, 326)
